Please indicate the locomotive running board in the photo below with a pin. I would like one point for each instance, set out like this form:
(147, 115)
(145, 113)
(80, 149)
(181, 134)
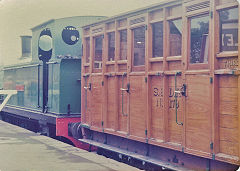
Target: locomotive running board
(9, 93)
(134, 155)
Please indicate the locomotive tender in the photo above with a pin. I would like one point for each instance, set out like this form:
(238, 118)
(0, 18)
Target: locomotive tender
(161, 84)
(48, 78)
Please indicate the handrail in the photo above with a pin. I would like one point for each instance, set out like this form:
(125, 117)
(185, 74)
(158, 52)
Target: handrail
(9, 93)
(176, 92)
(86, 88)
(38, 87)
(20, 67)
(123, 89)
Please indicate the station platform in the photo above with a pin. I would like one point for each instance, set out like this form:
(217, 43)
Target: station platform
(23, 150)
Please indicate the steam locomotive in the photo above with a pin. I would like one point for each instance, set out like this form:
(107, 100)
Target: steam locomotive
(48, 78)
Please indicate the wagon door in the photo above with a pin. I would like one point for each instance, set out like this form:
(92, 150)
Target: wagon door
(138, 83)
(97, 83)
(198, 85)
(92, 82)
(122, 86)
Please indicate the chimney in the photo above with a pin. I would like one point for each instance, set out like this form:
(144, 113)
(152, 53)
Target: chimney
(26, 46)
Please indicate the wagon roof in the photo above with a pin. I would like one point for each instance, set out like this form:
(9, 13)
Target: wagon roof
(135, 12)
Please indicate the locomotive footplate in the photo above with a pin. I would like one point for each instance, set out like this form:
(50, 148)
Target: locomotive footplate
(49, 124)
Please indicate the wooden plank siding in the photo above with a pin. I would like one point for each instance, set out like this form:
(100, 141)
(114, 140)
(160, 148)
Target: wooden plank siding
(209, 111)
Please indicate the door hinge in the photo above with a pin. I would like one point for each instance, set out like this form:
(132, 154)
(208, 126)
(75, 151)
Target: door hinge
(146, 132)
(184, 90)
(102, 123)
(211, 80)
(211, 145)
(211, 14)
(128, 87)
(146, 79)
(102, 83)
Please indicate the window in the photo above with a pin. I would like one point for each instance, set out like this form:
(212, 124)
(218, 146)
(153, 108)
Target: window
(70, 35)
(139, 46)
(111, 46)
(123, 44)
(157, 39)
(229, 29)
(175, 37)
(199, 39)
(98, 51)
(87, 40)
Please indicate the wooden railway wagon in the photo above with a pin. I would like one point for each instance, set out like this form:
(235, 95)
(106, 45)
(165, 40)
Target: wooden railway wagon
(161, 84)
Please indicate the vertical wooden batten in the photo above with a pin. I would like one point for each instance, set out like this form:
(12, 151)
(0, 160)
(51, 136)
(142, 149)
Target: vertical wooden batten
(91, 69)
(148, 87)
(129, 68)
(104, 78)
(184, 65)
(117, 54)
(238, 80)
(165, 80)
(214, 39)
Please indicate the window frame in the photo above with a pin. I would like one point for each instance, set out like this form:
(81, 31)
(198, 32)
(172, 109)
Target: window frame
(119, 39)
(85, 50)
(138, 67)
(152, 38)
(220, 31)
(168, 37)
(197, 66)
(108, 46)
(94, 52)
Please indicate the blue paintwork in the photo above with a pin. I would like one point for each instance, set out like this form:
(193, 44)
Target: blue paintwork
(64, 89)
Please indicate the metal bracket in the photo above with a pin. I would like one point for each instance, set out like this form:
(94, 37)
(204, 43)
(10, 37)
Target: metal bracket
(89, 87)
